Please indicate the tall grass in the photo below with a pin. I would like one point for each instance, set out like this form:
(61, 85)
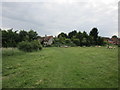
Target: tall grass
(11, 52)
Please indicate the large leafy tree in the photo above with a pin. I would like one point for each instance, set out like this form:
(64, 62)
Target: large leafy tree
(85, 40)
(114, 36)
(76, 41)
(32, 35)
(0, 37)
(72, 34)
(100, 41)
(9, 38)
(80, 37)
(62, 35)
(94, 35)
(12, 38)
(23, 35)
(4, 38)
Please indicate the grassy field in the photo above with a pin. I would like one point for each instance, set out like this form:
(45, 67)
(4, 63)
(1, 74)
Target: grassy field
(73, 67)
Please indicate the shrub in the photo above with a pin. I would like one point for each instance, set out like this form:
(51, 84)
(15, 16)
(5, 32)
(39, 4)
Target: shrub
(76, 41)
(118, 45)
(29, 46)
(36, 45)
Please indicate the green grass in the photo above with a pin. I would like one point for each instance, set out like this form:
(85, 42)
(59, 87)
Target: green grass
(73, 67)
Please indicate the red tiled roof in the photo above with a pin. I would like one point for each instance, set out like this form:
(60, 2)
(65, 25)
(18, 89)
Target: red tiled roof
(47, 38)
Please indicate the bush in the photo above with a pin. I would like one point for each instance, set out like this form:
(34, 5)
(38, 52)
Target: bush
(66, 42)
(36, 45)
(76, 41)
(118, 45)
(29, 46)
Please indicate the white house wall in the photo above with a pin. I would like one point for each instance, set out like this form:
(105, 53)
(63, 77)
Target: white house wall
(50, 41)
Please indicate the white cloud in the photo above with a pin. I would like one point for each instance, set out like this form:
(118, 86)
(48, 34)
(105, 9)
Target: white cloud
(50, 18)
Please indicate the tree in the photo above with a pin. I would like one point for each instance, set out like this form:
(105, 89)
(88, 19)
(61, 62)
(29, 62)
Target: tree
(56, 42)
(32, 35)
(80, 37)
(4, 38)
(72, 34)
(0, 37)
(86, 39)
(100, 41)
(114, 36)
(62, 40)
(76, 41)
(85, 34)
(94, 35)
(62, 35)
(9, 38)
(68, 42)
(84, 42)
(23, 36)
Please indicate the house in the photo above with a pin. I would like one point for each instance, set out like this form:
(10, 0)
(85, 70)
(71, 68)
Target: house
(108, 40)
(112, 40)
(115, 40)
(118, 41)
(47, 40)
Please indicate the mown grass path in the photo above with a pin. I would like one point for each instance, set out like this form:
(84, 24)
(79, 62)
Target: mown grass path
(73, 67)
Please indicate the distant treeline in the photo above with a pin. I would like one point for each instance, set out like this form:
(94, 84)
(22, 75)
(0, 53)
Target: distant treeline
(79, 38)
(11, 38)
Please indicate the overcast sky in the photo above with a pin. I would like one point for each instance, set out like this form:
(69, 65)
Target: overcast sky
(55, 16)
